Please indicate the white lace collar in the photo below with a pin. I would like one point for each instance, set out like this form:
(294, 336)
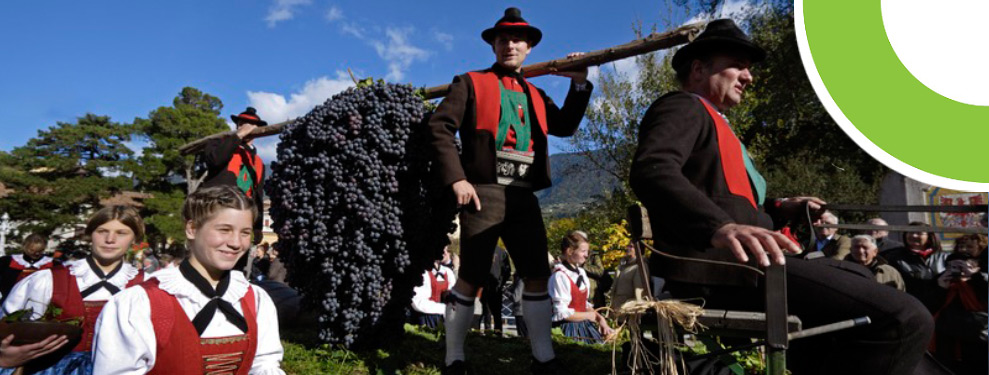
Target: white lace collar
(172, 281)
(19, 258)
(82, 271)
(572, 275)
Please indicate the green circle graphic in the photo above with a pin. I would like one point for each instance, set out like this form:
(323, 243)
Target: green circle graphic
(884, 101)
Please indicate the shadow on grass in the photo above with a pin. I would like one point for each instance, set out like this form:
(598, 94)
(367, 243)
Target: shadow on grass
(421, 352)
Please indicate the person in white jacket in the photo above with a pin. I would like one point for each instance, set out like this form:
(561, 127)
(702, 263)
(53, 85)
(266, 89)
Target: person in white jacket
(79, 289)
(570, 290)
(199, 317)
(428, 303)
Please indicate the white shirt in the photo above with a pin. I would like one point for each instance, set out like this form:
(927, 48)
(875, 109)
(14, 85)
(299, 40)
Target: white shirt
(125, 338)
(421, 301)
(559, 291)
(19, 258)
(35, 291)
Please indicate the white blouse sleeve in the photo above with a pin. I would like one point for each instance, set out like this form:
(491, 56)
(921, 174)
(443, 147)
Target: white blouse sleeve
(125, 340)
(34, 292)
(559, 291)
(421, 301)
(268, 356)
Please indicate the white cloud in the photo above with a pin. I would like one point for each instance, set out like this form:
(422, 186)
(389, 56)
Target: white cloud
(398, 52)
(445, 39)
(283, 10)
(734, 9)
(275, 108)
(353, 28)
(334, 14)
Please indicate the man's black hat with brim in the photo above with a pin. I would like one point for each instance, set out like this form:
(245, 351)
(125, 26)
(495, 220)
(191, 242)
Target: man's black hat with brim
(250, 116)
(512, 21)
(719, 36)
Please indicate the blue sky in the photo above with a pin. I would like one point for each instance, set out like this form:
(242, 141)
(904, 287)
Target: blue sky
(62, 59)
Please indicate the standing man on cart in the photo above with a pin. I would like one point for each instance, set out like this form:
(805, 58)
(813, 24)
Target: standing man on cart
(503, 121)
(707, 203)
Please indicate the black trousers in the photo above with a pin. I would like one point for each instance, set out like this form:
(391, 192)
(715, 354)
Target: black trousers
(509, 213)
(826, 291)
(491, 303)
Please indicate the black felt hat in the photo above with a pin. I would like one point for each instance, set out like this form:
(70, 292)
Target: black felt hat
(721, 35)
(512, 20)
(250, 115)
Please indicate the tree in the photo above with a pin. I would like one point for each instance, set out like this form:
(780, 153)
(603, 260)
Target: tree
(62, 174)
(165, 173)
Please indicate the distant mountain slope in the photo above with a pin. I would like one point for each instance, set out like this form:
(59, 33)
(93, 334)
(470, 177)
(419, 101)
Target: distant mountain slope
(576, 182)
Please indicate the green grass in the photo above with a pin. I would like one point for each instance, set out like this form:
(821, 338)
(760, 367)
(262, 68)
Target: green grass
(421, 352)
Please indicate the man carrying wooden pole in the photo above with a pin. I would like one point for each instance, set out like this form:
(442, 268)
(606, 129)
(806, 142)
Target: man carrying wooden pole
(503, 121)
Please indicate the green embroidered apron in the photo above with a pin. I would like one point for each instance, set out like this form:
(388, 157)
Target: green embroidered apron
(514, 115)
(513, 165)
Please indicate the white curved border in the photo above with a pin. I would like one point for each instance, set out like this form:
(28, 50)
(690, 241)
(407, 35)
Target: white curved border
(853, 132)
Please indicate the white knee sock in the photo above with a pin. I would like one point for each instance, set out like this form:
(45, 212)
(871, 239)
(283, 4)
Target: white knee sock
(538, 314)
(458, 317)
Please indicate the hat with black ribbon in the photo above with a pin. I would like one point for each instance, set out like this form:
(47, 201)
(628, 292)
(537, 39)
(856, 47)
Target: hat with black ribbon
(513, 21)
(719, 36)
(250, 115)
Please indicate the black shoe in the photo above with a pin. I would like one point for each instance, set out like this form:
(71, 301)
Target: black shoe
(458, 367)
(550, 367)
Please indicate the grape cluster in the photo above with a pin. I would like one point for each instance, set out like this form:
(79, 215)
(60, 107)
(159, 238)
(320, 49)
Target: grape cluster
(358, 216)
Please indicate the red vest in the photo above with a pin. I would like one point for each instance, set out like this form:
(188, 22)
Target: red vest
(238, 160)
(732, 160)
(27, 271)
(487, 101)
(437, 287)
(578, 298)
(66, 296)
(180, 350)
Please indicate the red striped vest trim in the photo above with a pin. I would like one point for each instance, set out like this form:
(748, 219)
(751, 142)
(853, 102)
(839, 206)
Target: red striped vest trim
(732, 160)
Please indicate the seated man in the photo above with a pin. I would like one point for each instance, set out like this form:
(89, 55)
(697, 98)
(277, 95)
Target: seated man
(829, 243)
(865, 252)
(706, 201)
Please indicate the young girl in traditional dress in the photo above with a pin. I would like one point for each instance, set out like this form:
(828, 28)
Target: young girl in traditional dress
(81, 288)
(428, 303)
(199, 317)
(570, 290)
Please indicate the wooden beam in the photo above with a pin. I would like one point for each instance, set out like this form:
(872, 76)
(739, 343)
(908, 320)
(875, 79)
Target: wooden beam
(651, 43)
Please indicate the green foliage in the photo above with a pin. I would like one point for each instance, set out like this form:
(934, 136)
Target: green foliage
(421, 352)
(64, 172)
(193, 115)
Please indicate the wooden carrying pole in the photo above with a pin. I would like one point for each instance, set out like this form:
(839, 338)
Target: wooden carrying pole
(651, 43)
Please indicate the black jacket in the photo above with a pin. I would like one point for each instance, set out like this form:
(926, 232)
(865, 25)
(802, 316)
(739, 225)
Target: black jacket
(217, 155)
(677, 175)
(476, 163)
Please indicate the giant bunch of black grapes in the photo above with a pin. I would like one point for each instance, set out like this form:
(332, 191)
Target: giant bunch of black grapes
(357, 211)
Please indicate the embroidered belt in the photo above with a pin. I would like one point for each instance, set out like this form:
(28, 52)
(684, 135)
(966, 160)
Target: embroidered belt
(514, 168)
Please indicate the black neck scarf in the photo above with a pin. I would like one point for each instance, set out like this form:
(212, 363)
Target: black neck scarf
(32, 262)
(205, 316)
(580, 278)
(103, 284)
(438, 271)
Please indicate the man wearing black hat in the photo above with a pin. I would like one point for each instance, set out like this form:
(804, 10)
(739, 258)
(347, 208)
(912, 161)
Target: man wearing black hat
(503, 122)
(706, 201)
(232, 160)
